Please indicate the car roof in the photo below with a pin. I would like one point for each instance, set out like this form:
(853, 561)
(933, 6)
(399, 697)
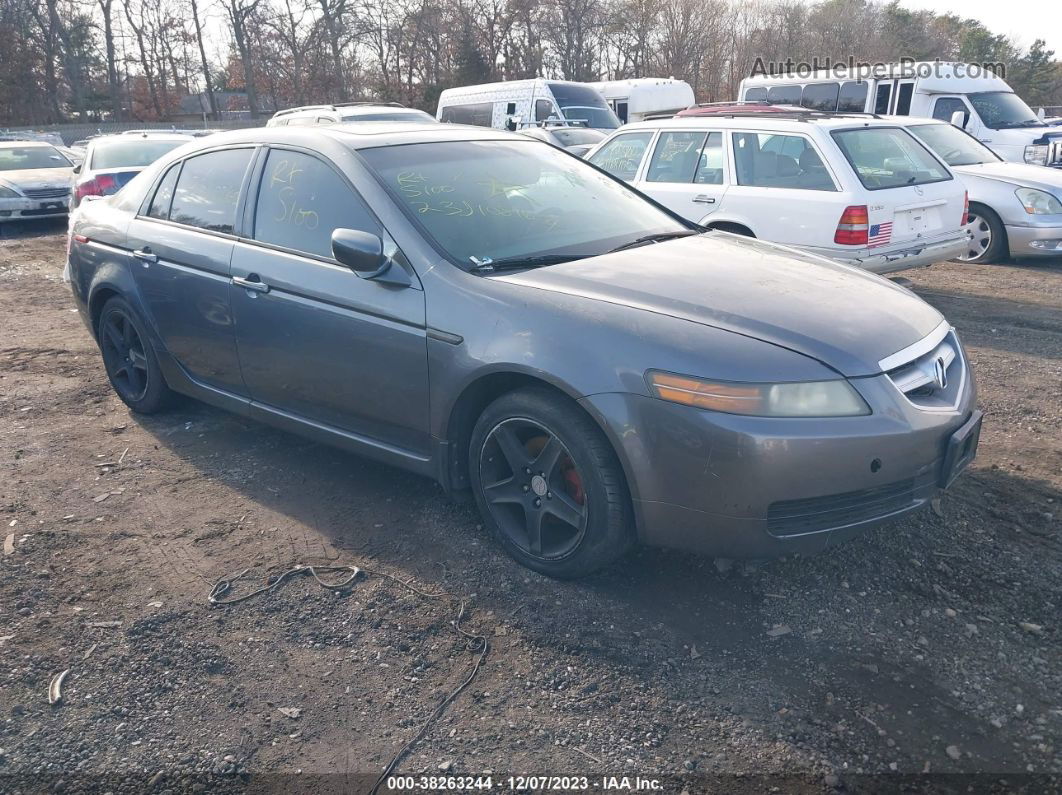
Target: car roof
(126, 138)
(354, 136)
(788, 121)
(24, 144)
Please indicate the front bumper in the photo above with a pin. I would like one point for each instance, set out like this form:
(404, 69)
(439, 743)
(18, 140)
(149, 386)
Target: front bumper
(1036, 241)
(736, 486)
(25, 209)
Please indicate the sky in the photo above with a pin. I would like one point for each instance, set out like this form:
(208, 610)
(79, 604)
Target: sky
(1022, 20)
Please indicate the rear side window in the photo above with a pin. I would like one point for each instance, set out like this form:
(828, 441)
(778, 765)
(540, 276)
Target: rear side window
(621, 156)
(903, 99)
(209, 189)
(881, 98)
(767, 160)
(755, 94)
(160, 205)
(784, 95)
(676, 157)
(820, 96)
(302, 200)
(888, 157)
(480, 115)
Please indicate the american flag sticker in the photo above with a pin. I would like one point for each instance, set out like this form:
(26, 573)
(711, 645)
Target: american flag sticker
(880, 234)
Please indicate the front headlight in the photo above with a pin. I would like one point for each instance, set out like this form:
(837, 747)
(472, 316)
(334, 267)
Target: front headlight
(1036, 154)
(803, 399)
(1039, 202)
(7, 193)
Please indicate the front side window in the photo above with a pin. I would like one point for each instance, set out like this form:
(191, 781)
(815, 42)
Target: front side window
(676, 157)
(208, 190)
(621, 156)
(302, 200)
(16, 158)
(1002, 110)
(952, 145)
(768, 160)
(852, 97)
(945, 108)
(784, 95)
(543, 110)
(820, 96)
(888, 157)
(125, 153)
(497, 200)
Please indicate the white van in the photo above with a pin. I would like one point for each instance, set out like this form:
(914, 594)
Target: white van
(638, 99)
(514, 104)
(858, 190)
(990, 109)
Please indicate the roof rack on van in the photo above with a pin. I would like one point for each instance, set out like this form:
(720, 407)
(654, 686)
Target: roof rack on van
(795, 115)
(334, 106)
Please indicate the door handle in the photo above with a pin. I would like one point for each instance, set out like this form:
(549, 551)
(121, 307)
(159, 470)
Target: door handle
(252, 282)
(702, 199)
(144, 255)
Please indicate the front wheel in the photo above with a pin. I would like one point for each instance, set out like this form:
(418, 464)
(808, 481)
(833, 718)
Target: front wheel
(987, 237)
(130, 361)
(549, 485)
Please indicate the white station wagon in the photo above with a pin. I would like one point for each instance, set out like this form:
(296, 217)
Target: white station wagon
(857, 189)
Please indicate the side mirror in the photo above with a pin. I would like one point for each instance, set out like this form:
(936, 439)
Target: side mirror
(363, 253)
(958, 119)
(77, 168)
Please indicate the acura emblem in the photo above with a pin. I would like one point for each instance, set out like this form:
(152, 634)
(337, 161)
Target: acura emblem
(940, 373)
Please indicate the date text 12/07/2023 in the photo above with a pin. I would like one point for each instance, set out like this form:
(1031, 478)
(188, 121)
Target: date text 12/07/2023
(528, 783)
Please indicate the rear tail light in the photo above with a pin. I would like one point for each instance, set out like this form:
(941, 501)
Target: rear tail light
(854, 227)
(966, 209)
(103, 185)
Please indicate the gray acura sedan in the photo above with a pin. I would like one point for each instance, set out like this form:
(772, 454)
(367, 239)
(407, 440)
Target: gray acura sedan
(498, 315)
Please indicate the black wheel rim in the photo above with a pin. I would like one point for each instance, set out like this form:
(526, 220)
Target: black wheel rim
(533, 489)
(123, 352)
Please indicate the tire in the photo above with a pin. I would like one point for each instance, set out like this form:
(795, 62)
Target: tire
(989, 243)
(131, 364)
(575, 494)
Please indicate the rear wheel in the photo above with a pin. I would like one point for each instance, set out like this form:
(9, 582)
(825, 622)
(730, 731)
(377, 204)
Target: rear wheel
(987, 237)
(548, 484)
(130, 361)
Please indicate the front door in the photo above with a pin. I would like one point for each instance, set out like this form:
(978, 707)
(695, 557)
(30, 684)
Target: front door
(181, 246)
(315, 340)
(687, 173)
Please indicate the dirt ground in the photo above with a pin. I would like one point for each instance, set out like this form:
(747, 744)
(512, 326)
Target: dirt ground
(927, 652)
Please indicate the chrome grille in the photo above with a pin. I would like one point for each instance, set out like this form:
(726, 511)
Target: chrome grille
(934, 380)
(47, 193)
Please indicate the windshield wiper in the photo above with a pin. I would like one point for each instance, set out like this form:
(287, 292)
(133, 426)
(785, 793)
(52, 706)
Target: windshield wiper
(488, 265)
(659, 237)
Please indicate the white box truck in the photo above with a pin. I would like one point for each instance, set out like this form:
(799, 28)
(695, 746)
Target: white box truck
(639, 98)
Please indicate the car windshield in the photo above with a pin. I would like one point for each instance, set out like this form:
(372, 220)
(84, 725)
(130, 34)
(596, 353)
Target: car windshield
(954, 146)
(1001, 110)
(491, 200)
(124, 153)
(570, 136)
(584, 104)
(888, 157)
(16, 158)
(392, 115)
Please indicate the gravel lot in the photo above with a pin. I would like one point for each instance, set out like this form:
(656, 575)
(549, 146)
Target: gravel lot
(924, 650)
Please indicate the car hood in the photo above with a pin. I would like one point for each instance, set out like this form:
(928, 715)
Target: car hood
(37, 178)
(846, 318)
(1018, 174)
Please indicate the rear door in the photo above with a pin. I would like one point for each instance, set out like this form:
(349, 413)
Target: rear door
(911, 196)
(687, 172)
(182, 243)
(316, 340)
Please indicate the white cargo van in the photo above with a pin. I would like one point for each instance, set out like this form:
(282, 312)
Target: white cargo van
(990, 109)
(515, 104)
(638, 99)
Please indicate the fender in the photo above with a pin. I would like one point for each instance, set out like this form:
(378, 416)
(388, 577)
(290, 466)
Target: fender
(714, 219)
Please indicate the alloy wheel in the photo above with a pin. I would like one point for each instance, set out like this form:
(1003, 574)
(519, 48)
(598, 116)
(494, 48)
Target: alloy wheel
(123, 352)
(980, 240)
(533, 489)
